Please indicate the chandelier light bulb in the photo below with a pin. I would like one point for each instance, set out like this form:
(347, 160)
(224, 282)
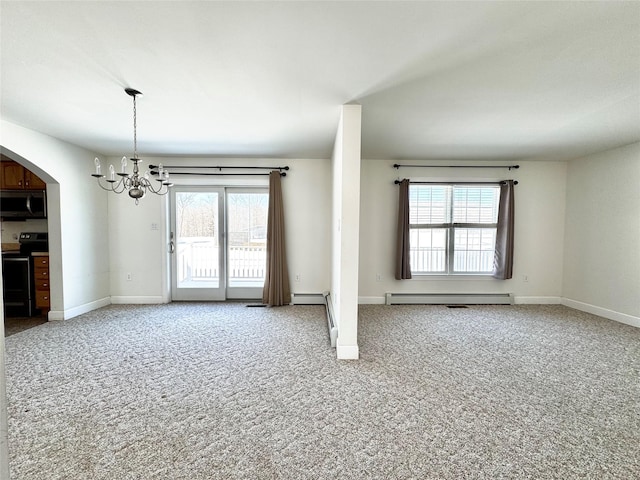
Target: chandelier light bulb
(97, 162)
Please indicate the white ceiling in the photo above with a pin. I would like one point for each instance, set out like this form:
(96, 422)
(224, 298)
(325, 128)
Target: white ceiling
(436, 80)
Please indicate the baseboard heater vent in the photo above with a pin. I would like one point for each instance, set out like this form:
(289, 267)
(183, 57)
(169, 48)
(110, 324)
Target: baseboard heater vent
(307, 299)
(449, 299)
(331, 323)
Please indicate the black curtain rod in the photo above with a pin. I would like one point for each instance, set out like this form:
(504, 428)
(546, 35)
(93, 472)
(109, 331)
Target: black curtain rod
(397, 165)
(282, 174)
(218, 167)
(398, 182)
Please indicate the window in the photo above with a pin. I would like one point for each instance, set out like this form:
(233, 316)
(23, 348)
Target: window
(452, 228)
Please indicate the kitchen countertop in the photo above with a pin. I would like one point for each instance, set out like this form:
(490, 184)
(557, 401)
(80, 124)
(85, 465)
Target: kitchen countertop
(10, 247)
(15, 248)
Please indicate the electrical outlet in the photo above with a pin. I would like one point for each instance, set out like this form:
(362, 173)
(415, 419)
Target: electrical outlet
(378, 277)
(128, 277)
(525, 278)
(297, 277)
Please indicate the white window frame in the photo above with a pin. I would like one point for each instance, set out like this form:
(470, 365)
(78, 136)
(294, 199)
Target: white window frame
(451, 226)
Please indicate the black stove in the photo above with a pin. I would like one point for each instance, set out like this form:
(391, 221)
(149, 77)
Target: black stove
(33, 242)
(17, 275)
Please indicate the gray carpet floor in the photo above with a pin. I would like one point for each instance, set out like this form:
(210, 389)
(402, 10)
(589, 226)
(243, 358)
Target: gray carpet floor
(221, 391)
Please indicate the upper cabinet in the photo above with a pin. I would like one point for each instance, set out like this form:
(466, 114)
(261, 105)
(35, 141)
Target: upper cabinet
(14, 176)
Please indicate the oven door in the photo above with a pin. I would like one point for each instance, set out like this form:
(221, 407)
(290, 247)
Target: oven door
(17, 286)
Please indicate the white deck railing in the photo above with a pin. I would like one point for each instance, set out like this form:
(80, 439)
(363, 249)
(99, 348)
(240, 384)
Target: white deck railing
(199, 261)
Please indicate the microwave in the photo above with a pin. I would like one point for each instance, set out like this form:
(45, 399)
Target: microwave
(22, 204)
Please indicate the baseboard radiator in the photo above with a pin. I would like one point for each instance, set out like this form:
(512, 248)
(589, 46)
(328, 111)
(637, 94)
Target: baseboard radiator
(307, 299)
(331, 323)
(449, 299)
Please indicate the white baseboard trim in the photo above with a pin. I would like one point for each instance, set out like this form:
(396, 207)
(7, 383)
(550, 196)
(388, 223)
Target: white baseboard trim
(448, 298)
(522, 300)
(122, 300)
(58, 315)
(371, 300)
(348, 352)
(537, 300)
(602, 312)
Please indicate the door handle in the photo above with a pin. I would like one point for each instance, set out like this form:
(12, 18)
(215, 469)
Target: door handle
(172, 245)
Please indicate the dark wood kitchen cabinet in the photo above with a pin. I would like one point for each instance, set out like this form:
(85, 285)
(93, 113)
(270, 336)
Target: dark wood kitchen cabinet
(14, 176)
(41, 277)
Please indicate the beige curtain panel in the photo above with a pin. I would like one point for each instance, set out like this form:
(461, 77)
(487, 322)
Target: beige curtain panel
(503, 257)
(403, 265)
(276, 289)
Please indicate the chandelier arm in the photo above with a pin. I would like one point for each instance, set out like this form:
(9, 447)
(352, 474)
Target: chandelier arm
(157, 189)
(119, 187)
(106, 189)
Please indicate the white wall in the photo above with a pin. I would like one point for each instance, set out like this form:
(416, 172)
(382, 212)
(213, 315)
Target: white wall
(77, 218)
(539, 232)
(307, 195)
(602, 250)
(346, 230)
(137, 246)
(137, 249)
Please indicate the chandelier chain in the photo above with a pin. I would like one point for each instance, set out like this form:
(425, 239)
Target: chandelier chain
(135, 133)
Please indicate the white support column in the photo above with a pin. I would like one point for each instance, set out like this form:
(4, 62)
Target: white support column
(346, 230)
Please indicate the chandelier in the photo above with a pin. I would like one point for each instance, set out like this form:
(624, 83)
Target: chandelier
(135, 184)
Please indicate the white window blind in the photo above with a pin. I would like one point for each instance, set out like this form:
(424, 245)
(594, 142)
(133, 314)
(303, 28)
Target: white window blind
(452, 228)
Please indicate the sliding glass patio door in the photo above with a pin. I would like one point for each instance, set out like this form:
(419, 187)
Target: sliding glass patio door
(218, 243)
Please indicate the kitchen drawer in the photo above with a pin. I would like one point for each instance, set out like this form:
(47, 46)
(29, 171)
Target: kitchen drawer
(41, 273)
(42, 284)
(42, 299)
(41, 261)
